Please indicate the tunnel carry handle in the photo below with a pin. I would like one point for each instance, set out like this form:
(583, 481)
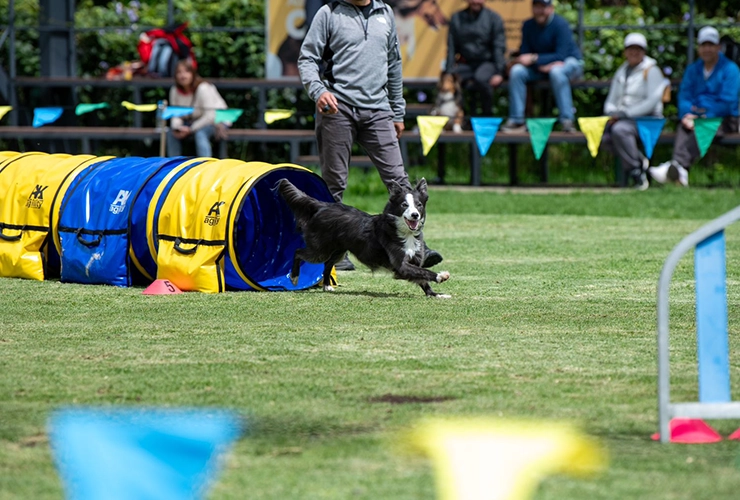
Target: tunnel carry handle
(5, 237)
(183, 250)
(91, 243)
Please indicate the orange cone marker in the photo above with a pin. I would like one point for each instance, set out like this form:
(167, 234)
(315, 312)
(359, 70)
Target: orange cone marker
(161, 287)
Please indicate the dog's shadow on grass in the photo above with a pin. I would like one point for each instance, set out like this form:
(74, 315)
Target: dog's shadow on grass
(375, 295)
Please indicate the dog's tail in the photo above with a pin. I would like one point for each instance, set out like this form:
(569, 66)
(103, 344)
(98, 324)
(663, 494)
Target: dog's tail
(302, 205)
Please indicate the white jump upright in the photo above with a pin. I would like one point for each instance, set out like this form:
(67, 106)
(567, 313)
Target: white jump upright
(711, 323)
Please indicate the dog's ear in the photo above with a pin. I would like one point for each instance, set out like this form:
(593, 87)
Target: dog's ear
(395, 189)
(421, 187)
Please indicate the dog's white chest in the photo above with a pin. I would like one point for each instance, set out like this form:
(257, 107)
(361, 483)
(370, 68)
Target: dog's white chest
(411, 246)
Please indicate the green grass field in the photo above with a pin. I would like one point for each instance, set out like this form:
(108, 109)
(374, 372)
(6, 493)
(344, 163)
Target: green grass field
(552, 318)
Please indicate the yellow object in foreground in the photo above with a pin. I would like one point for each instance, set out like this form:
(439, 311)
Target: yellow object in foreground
(430, 128)
(491, 459)
(593, 129)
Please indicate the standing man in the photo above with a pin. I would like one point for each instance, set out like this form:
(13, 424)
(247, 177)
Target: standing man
(548, 51)
(476, 45)
(360, 97)
(709, 89)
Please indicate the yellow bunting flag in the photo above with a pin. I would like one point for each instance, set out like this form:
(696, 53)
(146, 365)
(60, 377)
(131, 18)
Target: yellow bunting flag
(430, 127)
(143, 108)
(593, 129)
(4, 110)
(487, 459)
(273, 115)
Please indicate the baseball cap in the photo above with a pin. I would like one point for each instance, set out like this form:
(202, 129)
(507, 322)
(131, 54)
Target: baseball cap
(708, 35)
(635, 39)
(545, 2)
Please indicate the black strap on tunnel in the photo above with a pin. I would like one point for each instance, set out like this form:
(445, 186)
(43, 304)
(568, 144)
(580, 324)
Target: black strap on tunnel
(98, 233)
(190, 241)
(18, 227)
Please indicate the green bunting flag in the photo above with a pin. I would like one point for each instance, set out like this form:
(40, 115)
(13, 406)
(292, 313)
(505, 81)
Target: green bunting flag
(539, 132)
(705, 130)
(228, 115)
(81, 109)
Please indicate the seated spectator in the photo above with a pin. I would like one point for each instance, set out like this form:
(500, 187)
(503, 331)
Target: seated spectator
(709, 89)
(191, 91)
(548, 50)
(636, 90)
(476, 45)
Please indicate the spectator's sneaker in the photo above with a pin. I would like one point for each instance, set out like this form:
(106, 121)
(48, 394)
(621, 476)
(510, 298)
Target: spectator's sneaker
(640, 178)
(567, 126)
(344, 264)
(660, 173)
(512, 127)
(431, 258)
(457, 128)
(678, 174)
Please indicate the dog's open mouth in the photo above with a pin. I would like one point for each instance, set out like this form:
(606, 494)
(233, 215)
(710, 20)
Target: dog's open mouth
(414, 225)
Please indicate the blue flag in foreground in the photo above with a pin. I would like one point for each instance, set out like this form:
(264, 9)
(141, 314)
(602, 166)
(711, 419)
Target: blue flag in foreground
(42, 116)
(485, 131)
(176, 112)
(140, 453)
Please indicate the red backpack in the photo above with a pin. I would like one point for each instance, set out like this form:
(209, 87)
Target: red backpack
(160, 50)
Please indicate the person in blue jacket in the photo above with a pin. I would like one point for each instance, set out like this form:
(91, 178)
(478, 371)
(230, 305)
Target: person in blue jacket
(709, 89)
(548, 50)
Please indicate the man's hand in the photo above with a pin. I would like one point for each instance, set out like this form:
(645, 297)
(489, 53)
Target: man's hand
(181, 133)
(399, 126)
(327, 104)
(548, 67)
(527, 59)
(496, 80)
(688, 121)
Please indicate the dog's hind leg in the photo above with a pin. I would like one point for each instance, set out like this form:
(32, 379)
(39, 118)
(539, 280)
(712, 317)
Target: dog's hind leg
(298, 257)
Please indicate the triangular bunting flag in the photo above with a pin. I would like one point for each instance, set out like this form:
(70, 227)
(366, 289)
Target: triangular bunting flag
(593, 129)
(705, 130)
(81, 109)
(4, 110)
(43, 116)
(273, 115)
(175, 112)
(430, 127)
(539, 132)
(485, 131)
(649, 129)
(136, 453)
(502, 460)
(228, 115)
(142, 108)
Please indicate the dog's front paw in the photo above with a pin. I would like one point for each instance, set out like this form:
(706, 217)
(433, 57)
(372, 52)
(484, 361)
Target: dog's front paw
(328, 288)
(294, 280)
(443, 276)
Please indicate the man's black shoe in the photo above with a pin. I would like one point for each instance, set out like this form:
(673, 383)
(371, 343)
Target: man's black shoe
(344, 264)
(431, 257)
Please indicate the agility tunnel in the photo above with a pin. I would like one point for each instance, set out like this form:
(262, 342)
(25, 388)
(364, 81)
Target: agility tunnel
(204, 224)
(220, 225)
(31, 185)
(102, 219)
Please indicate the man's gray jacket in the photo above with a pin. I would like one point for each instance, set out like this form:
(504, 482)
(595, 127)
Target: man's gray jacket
(362, 57)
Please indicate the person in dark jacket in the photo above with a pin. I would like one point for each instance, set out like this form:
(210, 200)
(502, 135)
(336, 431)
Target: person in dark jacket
(476, 45)
(709, 89)
(548, 50)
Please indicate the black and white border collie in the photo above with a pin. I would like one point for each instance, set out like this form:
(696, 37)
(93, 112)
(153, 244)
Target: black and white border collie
(391, 240)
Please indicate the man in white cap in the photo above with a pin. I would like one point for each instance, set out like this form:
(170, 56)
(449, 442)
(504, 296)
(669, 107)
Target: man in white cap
(636, 90)
(709, 89)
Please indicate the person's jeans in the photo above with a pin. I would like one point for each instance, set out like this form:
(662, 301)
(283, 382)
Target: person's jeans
(202, 139)
(560, 78)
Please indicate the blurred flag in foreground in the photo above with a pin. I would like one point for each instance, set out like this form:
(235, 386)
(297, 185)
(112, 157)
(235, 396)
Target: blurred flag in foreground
(478, 459)
(140, 453)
